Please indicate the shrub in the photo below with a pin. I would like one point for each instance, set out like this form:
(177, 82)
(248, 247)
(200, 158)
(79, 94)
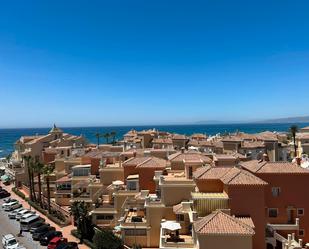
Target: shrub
(106, 239)
(20, 194)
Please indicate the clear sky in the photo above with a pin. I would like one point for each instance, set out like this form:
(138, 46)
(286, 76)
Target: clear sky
(152, 62)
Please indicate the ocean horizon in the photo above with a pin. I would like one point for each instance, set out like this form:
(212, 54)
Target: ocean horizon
(8, 136)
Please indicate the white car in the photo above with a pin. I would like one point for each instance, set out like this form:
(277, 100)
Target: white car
(9, 203)
(12, 215)
(22, 213)
(11, 206)
(9, 242)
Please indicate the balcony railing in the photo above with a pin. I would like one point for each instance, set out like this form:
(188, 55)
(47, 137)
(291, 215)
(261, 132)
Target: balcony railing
(287, 227)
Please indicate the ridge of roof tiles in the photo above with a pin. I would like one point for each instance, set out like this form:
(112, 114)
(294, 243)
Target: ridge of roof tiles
(256, 166)
(229, 176)
(223, 224)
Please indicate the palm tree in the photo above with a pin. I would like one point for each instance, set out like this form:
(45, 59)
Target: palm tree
(98, 135)
(106, 136)
(47, 171)
(113, 135)
(293, 131)
(32, 170)
(80, 212)
(39, 170)
(28, 160)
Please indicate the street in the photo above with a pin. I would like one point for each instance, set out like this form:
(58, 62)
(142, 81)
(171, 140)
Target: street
(12, 226)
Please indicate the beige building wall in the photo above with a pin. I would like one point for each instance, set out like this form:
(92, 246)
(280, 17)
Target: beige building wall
(108, 175)
(224, 242)
(172, 195)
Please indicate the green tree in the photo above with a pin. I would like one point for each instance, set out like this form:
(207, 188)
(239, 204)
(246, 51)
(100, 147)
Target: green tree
(106, 136)
(28, 160)
(106, 239)
(293, 131)
(98, 135)
(47, 171)
(80, 212)
(39, 170)
(113, 135)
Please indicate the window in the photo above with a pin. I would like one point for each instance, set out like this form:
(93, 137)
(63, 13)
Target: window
(300, 211)
(301, 232)
(132, 185)
(105, 217)
(180, 217)
(275, 191)
(272, 212)
(135, 232)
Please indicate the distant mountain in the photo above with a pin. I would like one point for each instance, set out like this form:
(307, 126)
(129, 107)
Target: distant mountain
(303, 119)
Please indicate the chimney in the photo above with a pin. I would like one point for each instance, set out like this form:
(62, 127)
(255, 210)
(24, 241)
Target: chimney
(265, 157)
(300, 242)
(289, 239)
(298, 161)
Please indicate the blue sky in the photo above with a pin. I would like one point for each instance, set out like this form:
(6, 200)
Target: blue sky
(152, 62)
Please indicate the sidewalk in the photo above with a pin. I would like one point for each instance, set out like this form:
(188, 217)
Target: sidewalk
(66, 231)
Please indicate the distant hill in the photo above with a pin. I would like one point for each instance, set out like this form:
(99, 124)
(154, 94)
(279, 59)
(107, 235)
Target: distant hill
(303, 119)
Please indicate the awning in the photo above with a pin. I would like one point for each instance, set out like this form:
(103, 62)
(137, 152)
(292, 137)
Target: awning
(118, 182)
(171, 225)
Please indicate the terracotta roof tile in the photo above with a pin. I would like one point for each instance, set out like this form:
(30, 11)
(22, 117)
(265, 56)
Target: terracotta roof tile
(153, 162)
(256, 166)
(229, 176)
(222, 224)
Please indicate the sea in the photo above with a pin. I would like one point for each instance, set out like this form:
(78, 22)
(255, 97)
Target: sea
(9, 136)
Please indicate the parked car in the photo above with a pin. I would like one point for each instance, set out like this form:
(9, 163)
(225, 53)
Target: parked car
(46, 238)
(12, 214)
(9, 242)
(41, 231)
(22, 213)
(5, 205)
(69, 245)
(4, 194)
(8, 200)
(56, 241)
(12, 206)
(35, 226)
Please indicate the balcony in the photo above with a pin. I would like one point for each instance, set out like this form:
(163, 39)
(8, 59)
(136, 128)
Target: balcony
(171, 241)
(285, 227)
(133, 218)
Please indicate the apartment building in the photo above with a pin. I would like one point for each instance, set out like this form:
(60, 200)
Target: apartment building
(286, 198)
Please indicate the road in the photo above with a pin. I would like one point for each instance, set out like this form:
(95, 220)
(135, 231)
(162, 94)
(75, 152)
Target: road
(12, 226)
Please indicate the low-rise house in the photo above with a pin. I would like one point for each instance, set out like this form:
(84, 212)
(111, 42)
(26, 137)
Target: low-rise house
(178, 160)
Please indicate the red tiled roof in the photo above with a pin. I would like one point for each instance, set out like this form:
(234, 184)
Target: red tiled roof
(162, 141)
(134, 161)
(153, 162)
(177, 208)
(256, 166)
(229, 176)
(189, 156)
(220, 223)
